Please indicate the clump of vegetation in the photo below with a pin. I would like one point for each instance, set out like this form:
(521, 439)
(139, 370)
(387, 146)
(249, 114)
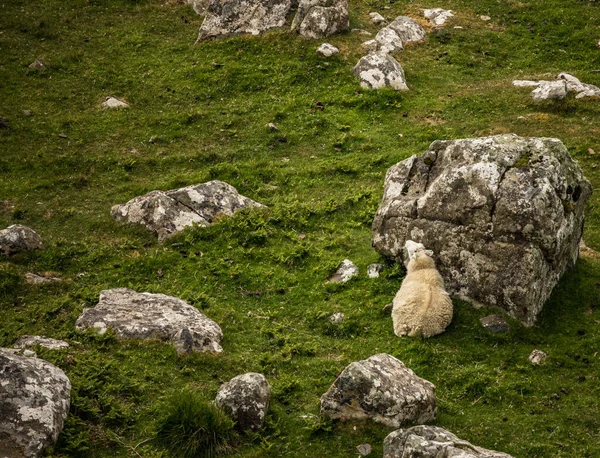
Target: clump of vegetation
(191, 427)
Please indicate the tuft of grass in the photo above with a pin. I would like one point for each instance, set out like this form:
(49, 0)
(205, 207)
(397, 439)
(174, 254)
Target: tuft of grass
(191, 427)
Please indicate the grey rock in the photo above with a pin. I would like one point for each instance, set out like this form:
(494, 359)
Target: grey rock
(345, 272)
(424, 441)
(25, 342)
(337, 318)
(16, 238)
(199, 6)
(582, 89)
(246, 399)
(228, 17)
(550, 90)
(364, 449)
(380, 388)
(37, 64)
(408, 29)
(34, 402)
(503, 214)
(495, 324)
(374, 270)
(389, 40)
(35, 279)
(526, 83)
(370, 46)
(327, 50)
(321, 18)
(537, 357)
(379, 70)
(169, 212)
(437, 16)
(377, 18)
(112, 102)
(133, 315)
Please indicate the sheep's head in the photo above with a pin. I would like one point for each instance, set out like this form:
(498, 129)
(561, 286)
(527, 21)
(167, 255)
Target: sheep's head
(415, 250)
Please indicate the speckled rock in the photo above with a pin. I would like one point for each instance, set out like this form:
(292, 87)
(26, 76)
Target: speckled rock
(34, 402)
(373, 270)
(408, 29)
(380, 388)
(37, 64)
(169, 212)
(437, 16)
(424, 441)
(321, 18)
(16, 238)
(46, 342)
(228, 17)
(537, 357)
(246, 399)
(112, 102)
(370, 46)
(550, 90)
(337, 318)
(378, 70)
(327, 50)
(133, 315)
(377, 18)
(495, 324)
(345, 272)
(503, 215)
(389, 40)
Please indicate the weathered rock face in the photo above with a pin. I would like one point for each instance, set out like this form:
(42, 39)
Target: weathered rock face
(134, 315)
(46, 342)
(381, 388)
(432, 441)
(378, 70)
(228, 17)
(34, 402)
(503, 214)
(169, 212)
(17, 238)
(246, 399)
(408, 29)
(321, 18)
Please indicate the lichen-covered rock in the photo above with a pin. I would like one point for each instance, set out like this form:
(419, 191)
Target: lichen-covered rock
(503, 215)
(377, 18)
(24, 342)
(34, 402)
(228, 17)
(327, 50)
(345, 272)
(550, 90)
(169, 212)
(437, 16)
(133, 315)
(199, 6)
(582, 89)
(424, 441)
(558, 89)
(408, 29)
(16, 238)
(495, 324)
(383, 389)
(378, 70)
(246, 399)
(321, 18)
(537, 357)
(389, 40)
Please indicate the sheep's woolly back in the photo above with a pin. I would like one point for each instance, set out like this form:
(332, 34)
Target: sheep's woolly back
(422, 307)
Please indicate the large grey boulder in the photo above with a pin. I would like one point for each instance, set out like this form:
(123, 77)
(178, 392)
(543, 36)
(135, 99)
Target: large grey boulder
(321, 18)
(228, 17)
(378, 70)
(408, 29)
(169, 212)
(503, 214)
(246, 399)
(34, 402)
(133, 315)
(424, 441)
(17, 238)
(383, 389)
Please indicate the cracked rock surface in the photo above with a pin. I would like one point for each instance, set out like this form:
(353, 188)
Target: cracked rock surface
(168, 212)
(504, 215)
(383, 389)
(34, 402)
(17, 238)
(246, 399)
(378, 70)
(432, 441)
(321, 18)
(228, 17)
(133, 315)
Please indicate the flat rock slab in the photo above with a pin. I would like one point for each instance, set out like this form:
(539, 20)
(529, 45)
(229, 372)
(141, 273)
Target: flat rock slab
(34, 402)
(378, 70)
(321, 18)
(228, 17)
(16, 238)
(246, 399)
(133, 315)
(383, 389)
(503, 215)
(24, 342)
(168, 212)
(432, 441)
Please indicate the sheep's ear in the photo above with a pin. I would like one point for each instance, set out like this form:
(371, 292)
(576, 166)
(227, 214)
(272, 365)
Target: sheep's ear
(429, 253)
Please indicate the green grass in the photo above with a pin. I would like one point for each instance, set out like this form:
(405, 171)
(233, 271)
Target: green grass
(321, 176)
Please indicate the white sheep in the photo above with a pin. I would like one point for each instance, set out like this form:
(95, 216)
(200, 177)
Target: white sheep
(421, 307)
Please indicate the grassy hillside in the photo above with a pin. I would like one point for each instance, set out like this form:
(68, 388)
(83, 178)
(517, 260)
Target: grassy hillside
(199, 113)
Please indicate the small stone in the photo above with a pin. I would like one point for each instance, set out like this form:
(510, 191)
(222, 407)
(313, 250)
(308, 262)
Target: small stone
(61, 135)
(337, 318)
(35, 279)
(374, 270)
(25, 342)
(437, 16)
(495, 324)
(345, 272)
(376, 18)
(29, 353)
(27, 112)
(364, 449)
(485, 18)
(112, 102)
(327, 50)
(246, 399)
(537, 357)
(272, 127)
(37, 64)
(366, 33)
